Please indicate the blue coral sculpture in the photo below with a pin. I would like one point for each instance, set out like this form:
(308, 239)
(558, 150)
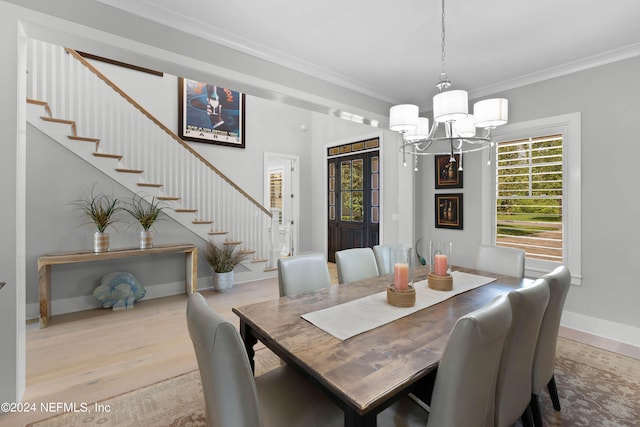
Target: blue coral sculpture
(119, 290)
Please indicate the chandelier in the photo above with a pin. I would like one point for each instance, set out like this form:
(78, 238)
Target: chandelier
(451, 110)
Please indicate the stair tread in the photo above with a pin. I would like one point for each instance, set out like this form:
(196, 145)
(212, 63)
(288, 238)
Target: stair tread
(232, 242)
(125, 170)
(148, 184)
(56, 120)
(168, 198)
(83, 138)
(107, 155)
(248, 251)
(213, 233)
(36, 101)
(186, 210)
(202, 221)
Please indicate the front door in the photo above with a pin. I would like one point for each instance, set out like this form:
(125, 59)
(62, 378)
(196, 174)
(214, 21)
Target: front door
(354, 196)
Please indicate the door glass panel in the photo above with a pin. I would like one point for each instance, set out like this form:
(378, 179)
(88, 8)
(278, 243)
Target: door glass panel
(346, 206)
(345, 175)
(356, 206)
(356, 175)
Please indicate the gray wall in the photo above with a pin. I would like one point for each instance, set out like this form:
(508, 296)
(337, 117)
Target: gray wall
(607, 97)
(12, 186)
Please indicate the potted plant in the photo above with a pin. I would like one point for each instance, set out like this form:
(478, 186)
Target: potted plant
(222, 262)
(101, 209)
(146, 214)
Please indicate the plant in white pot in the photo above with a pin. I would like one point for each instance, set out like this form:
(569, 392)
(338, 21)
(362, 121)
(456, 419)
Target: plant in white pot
(102, 210)
(146, 214)
(222, 261)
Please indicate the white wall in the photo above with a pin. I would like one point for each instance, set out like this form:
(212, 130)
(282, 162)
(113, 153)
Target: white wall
(607, 98)
(12, 228)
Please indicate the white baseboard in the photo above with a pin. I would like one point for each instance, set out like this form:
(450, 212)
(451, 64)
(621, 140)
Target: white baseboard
(602, 328)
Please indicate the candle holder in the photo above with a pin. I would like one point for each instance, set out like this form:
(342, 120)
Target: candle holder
(439, 277)
(400, 292)
(401, 298)
(401, 267)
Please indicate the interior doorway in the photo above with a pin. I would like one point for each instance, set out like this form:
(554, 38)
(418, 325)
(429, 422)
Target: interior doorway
(281, 191)
(353, 183)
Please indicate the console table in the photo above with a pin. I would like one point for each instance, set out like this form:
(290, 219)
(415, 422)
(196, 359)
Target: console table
(46, 261)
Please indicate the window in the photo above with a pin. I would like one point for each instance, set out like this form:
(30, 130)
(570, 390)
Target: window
(529, 196)
(534, 191)
(275, 191)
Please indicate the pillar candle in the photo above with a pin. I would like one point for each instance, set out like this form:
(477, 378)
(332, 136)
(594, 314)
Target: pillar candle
(401, 276)
(440, 268)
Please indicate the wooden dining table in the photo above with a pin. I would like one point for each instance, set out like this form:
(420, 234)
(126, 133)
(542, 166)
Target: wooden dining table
(366, 373)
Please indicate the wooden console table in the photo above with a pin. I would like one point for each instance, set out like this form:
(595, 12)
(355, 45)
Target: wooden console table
(46, 261)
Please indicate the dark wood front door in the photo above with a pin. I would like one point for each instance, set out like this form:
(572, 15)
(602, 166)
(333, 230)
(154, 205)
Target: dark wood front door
(354, 196)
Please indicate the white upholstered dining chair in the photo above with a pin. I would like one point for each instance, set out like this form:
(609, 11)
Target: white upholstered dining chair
(559, 281)
(500, 260)
(464, 388)
(302, 273)
(383, 256)
(356, 264)
(233, 397)
(513, 386)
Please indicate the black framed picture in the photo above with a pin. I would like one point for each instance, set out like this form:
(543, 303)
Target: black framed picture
(210, 113)
(447, 173)
(449, 211)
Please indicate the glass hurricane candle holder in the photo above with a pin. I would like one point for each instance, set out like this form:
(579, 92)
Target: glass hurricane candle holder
(440, 258)
(439, 277)
(401, 267)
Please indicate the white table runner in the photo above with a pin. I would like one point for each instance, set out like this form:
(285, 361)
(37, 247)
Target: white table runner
(355, 317)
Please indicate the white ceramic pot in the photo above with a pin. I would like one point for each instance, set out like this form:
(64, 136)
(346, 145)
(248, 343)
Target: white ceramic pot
(222, 282)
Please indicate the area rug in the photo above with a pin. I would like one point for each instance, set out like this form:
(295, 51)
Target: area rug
(596, 387)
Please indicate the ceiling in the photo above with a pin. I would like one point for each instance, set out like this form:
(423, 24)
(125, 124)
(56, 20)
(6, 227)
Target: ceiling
(392, 50)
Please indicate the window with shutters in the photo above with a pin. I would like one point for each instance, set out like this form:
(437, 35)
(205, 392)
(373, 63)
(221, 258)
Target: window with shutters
(275, 191)
(529, 194)
(534, 192)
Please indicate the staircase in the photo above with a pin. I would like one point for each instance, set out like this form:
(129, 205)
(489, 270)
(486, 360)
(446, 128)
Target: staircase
(73, 103)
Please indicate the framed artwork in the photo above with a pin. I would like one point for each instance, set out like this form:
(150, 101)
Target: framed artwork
(447, 173)
(210, 113)
(449, 211)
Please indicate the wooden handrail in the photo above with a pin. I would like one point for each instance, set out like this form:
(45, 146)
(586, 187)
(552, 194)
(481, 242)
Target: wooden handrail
(150, 116)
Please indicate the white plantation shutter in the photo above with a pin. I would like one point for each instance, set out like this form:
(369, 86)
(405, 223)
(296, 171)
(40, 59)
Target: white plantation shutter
(529, 196)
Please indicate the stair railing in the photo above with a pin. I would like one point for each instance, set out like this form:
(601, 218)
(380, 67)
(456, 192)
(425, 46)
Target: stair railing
(76, 90)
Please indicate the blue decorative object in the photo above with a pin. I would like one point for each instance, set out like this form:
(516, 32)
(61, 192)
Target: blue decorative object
(119, 290)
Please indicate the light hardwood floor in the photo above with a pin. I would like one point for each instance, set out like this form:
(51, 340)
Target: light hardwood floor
(88, 356)
(96, 354)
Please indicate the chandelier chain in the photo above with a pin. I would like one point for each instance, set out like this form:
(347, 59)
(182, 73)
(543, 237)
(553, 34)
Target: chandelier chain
(443, 40)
